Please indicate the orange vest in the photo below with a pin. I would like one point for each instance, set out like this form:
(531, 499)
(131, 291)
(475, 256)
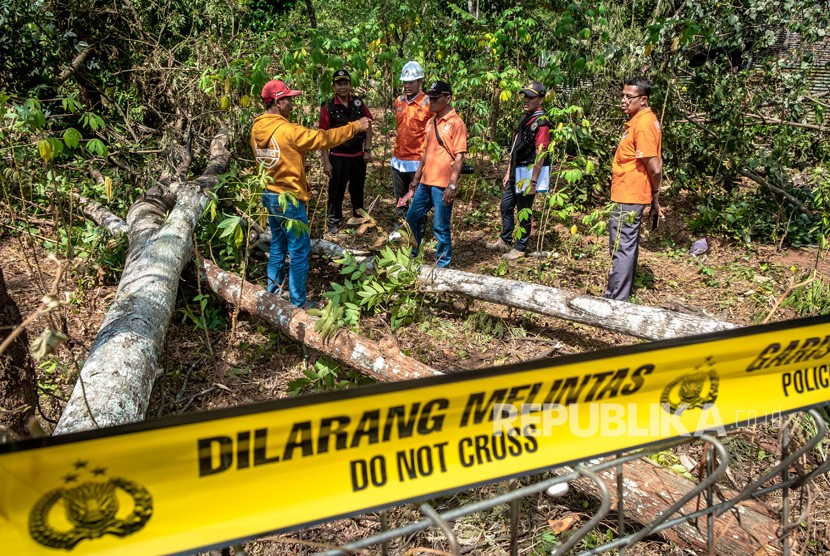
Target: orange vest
(412, 118)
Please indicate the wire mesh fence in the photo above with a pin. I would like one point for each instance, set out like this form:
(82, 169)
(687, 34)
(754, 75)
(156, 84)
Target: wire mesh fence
(714, 515)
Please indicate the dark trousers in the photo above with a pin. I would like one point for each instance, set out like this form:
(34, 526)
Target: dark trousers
(624, 245)
(400, 186)
(346, 170)
(514, 202)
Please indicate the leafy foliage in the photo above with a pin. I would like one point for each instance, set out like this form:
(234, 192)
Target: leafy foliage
(390, 288)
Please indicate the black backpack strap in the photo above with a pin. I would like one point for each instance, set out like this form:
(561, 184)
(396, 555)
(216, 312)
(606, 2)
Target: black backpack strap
(438, 136)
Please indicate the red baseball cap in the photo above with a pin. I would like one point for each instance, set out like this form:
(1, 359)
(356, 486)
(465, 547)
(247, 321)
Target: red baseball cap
(277, 89)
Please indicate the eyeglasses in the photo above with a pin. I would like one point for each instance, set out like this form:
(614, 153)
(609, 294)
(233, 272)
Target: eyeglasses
(629, 98)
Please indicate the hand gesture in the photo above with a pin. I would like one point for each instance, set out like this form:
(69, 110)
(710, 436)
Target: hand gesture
(327, 168)
(364, 123)
(449, 196)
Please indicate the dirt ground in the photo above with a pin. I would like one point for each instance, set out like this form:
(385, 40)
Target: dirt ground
(252, 363)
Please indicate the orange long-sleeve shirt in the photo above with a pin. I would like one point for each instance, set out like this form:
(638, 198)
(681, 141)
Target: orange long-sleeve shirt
(279, 146)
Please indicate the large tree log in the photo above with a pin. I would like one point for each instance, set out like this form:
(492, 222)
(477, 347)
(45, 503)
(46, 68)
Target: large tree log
(651, 323)
(18, 395)
(642, 321)
(649, 489)
(117, 379)
(383, 362)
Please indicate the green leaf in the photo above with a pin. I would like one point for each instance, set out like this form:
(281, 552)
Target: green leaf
(71, 137)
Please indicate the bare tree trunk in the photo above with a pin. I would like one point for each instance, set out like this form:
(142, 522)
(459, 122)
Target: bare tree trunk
(117, 379)
(651, 323)
(18, 394)
(312, 15)
(383, 361)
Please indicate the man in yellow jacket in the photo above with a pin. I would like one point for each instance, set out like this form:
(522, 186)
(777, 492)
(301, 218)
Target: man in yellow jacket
(279, 146)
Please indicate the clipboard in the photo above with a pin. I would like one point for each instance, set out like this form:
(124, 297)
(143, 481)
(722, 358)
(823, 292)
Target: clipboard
(523, 175)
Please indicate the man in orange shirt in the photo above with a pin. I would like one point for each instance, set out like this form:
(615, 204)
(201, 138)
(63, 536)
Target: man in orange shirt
(279, 146)
(411, 116)
(435, 180)
(637, 171)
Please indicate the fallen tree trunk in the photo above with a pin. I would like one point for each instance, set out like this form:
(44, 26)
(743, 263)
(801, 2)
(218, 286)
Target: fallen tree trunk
(649, 489)
(123, 363)
(383, 362)
(651, 323)
(642, 321)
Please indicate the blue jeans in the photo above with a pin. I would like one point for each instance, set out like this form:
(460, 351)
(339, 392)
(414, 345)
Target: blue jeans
(287, 242)
(428, 197)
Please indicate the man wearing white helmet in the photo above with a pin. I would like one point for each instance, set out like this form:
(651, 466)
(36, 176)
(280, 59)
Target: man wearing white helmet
(411, 114)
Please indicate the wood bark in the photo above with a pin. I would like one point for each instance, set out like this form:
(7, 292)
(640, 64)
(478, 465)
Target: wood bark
(18, 392)
(649, 489)
(101, 215)
(383, 361)
(123, 363)
(641, 321)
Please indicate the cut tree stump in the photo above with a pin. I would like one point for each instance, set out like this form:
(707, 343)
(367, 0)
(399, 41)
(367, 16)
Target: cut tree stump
(123, 363)
(383, 361)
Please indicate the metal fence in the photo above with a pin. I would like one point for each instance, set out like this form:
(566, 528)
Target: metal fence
(783, 475)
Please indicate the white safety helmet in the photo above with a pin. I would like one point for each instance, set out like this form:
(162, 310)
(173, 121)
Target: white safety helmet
(412, 71)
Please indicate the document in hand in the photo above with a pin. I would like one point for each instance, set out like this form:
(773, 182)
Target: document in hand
(523, 174)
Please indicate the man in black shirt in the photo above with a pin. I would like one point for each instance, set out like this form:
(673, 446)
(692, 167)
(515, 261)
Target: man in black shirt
(532, 138)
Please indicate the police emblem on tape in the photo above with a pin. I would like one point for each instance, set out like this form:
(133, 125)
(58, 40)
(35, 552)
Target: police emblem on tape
(91, 509)
(692, 391)
(534, 126)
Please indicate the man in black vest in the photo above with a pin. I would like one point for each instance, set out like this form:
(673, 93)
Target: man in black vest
(345, 164)
(526, 166)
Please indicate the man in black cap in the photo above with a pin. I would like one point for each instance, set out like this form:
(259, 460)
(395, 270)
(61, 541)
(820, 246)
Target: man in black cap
(345, 164)
(435, 181)
(527, 166)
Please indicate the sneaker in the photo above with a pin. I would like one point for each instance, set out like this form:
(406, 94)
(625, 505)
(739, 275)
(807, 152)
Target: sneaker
(395, 236)
(498, 245)
(355, 221)
(512, 255)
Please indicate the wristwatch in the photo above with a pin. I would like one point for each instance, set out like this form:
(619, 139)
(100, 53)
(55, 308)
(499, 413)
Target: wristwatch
(452, 186)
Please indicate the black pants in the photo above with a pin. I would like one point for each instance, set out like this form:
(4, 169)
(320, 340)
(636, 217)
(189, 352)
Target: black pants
(400, 186)
(510, 202)
(349, 170)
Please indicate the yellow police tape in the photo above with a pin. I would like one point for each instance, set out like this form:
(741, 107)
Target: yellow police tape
(209, 479)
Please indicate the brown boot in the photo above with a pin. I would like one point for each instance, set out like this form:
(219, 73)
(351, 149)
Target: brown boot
(498, 245)
(512, 255)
